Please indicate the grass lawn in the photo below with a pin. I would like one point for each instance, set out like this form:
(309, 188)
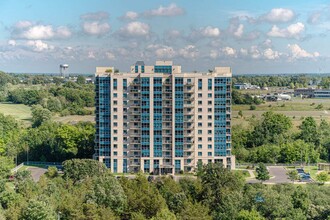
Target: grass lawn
(244, 173)
(74, 118)
(18, 111)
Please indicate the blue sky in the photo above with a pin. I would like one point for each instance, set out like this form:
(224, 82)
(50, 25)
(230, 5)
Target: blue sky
(250, 36)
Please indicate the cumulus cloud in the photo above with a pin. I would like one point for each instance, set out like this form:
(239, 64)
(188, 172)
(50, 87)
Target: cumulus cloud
(239, 31)
(96, 27)
(292, 31)
(270, 54)
(28, 30)
(210, 31)
(171, 10)
(39, 46)
(135, 28)
(190, 51)
(279, 15)
(95, 23)
(130, 15)
(12, 43)
(298, 53)
(314, 18)
(229, 51)
(110, 55)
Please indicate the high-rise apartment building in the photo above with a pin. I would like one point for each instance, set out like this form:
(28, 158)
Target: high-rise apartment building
(161, 120)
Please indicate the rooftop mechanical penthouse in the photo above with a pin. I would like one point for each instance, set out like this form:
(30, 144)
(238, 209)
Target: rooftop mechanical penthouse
(161, 120)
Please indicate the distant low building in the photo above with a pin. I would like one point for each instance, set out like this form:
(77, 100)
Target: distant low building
(323, 166)
(322, 93)
(305, 92)
(245, 86)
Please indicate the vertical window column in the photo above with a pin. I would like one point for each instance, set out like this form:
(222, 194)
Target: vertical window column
(145, 116)
(158, 117)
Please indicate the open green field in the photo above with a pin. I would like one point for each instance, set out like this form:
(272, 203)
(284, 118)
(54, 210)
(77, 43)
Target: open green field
(18, 111)
(296, 109)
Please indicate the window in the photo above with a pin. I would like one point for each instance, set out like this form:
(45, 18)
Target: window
(209, 110)
(200, 95)
(200, 124)
(115, 95)
(200, 110)
(209, 132)
(188, 80)
(200, 154)
(209, 154)
(200, 117)
(115, 124)
(199, 146)
(200, 84)
(125, 95)
(115, 146)
(115, 131)
(209, 102)
(115, 109)
(115, 102)
(114, 84)
(209, 146)
(209, 117)
(200, 102)
(115, 116)
(209, 139)
(209, 124)
(200, 139)
(209, 84)
(115, 138)
(209, 95)
(200, 132)
(115, 153)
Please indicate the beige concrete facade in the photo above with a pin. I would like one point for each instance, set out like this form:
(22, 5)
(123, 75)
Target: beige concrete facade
(199, 120)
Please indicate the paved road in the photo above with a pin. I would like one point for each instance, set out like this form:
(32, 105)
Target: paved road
(36, 172)
(278, 174)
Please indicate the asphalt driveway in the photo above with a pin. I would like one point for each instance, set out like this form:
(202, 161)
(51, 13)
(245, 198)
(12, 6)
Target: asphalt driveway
(278, 174)
(37, 172)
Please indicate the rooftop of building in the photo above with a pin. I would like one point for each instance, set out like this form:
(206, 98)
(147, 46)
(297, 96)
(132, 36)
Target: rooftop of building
(164, 67)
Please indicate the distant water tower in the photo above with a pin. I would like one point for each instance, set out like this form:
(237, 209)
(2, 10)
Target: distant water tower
(63, 70)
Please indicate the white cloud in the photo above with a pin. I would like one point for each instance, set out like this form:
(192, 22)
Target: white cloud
(135, 28)
(28, 30)
(210, 32)
(214, 54)
(171, 10)
(239, 31)
(110, 55)
(38, 45)
(292, 31)
(91, 55)
(228, 51)
(297, 52)
(314, 18)
(131, 15)
(271, 54)
(189, 51)
(38, 32)
(12, 43)
(279, 15)
(254, 52)
(63, 32)
(96, 27)
(165, 52)
(243, 52)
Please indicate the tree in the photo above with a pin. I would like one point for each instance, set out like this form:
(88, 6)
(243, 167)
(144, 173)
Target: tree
(249, 215)
(40, 115)
(38, 210)
(322, 177)
(164, 214)
(270, 128)
(240, 113)
(194, 211)
(6, 164)
(262, 172)
(221, 190)
(81, 80)
(107, 192)
(80, 169)
(309, 131)
(293, 175)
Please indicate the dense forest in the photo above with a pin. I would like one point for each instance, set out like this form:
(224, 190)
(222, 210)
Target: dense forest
(86, 190)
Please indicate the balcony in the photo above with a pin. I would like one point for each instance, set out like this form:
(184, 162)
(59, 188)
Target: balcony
(188, 98)
(189, 112)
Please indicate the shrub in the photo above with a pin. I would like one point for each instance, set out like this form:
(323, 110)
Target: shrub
(253, 107)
